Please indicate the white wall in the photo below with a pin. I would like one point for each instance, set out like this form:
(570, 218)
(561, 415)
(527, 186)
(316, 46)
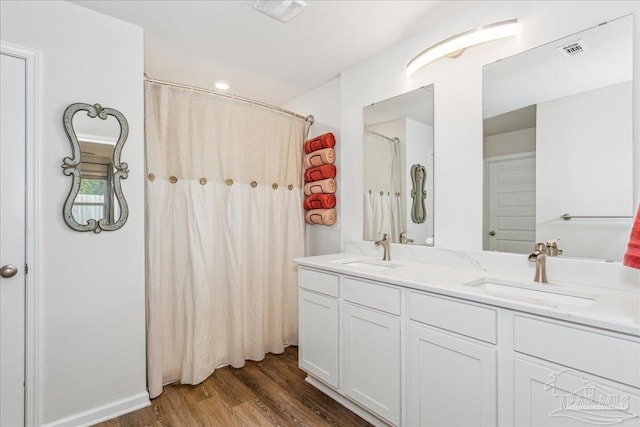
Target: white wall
(590, 173)
(324, 104)
(92, 287)
(458, 105)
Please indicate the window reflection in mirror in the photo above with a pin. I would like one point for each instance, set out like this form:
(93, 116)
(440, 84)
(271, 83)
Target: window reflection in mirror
(398, 134)
(558, 141)
(96, 198)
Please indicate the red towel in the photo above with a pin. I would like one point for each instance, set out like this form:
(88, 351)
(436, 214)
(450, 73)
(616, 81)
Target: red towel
(320, 201)
(632, 257)
(319, 142)
(320, 172)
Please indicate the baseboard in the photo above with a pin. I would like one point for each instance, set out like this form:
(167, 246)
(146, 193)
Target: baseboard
(104, 412)
(353, 407)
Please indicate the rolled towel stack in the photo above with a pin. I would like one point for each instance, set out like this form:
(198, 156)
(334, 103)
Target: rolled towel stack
(320, 183)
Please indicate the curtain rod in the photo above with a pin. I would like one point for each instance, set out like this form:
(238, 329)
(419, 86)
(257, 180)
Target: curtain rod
(395, 139)
(308, 118)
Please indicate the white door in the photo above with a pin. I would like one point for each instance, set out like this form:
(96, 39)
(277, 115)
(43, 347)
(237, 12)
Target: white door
(318, 332)
(371, 360)
(12, 238)
(451, 381)
(511, 204)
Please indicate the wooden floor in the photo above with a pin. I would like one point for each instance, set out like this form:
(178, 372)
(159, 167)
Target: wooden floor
(267, 393)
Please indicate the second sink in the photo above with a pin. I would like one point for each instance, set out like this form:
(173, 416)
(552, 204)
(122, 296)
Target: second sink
(560, 296)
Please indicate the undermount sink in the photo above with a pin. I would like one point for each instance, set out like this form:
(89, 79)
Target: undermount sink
(564, 296)
(369, 264)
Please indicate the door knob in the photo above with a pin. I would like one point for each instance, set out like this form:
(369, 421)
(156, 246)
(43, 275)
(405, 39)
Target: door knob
(492, 233)
(8, 271)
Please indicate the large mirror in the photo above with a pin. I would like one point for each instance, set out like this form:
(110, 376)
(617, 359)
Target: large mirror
(398, 168)
(97, 135)
(558, 145)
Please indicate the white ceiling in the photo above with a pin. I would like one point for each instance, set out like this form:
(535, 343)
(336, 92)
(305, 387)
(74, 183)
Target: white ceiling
(199, 42)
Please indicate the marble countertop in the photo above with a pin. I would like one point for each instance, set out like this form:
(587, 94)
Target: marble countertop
(612, 309)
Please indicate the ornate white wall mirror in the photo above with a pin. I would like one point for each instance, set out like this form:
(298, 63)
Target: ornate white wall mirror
(97, 136)
(398, 140)
(558, 145)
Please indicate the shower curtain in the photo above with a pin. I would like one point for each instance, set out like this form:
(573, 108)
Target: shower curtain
(382, 199)
(224, 221)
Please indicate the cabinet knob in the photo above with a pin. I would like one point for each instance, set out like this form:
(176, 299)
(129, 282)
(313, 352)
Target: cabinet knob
(8, 271)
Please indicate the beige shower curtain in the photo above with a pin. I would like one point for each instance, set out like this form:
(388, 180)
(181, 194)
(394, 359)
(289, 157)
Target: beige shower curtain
(382, 200)
(224, 221)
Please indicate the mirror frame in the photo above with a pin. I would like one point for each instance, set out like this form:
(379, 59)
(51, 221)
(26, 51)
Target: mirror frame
(70, 167)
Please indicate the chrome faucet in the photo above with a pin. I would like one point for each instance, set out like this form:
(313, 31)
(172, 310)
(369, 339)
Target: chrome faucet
(539, 256)
(385, 245)
(403, 238)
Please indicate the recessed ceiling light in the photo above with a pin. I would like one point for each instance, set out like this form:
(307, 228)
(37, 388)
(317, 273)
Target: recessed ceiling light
(282, 10)
(222, 85)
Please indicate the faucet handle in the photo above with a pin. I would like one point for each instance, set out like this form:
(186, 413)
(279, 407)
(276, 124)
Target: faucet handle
(385, 236)
(552, 247)
(541, 247)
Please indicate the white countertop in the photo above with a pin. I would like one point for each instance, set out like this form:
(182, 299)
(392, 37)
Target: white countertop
(612, 309)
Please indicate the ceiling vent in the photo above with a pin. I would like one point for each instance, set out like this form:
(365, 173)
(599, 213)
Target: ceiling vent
(574, 48)
(282, 10)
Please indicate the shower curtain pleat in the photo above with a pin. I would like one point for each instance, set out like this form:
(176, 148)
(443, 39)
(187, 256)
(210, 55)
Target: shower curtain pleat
(222, 287)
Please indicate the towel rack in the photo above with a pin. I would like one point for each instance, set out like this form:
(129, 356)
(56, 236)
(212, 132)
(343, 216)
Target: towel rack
(567, 216)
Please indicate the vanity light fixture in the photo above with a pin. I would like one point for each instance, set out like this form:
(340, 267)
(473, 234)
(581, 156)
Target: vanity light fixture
(222, 85)
(456, 45)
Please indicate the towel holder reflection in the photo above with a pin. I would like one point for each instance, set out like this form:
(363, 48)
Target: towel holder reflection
(567, 217)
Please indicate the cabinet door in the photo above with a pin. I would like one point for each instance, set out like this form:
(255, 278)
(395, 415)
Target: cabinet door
(371, 360)
(451, 381)
(318, 332)
(550, 395)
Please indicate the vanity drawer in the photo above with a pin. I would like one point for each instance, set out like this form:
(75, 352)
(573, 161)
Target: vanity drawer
(615, 358)
(380, 297)
(465, 319)
(322, 283)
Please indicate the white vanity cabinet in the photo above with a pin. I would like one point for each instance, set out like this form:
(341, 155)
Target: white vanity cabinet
(371, 347)
(568, 374)
(404, 356)
(318, 318)
(451, 376)
(349, 339)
